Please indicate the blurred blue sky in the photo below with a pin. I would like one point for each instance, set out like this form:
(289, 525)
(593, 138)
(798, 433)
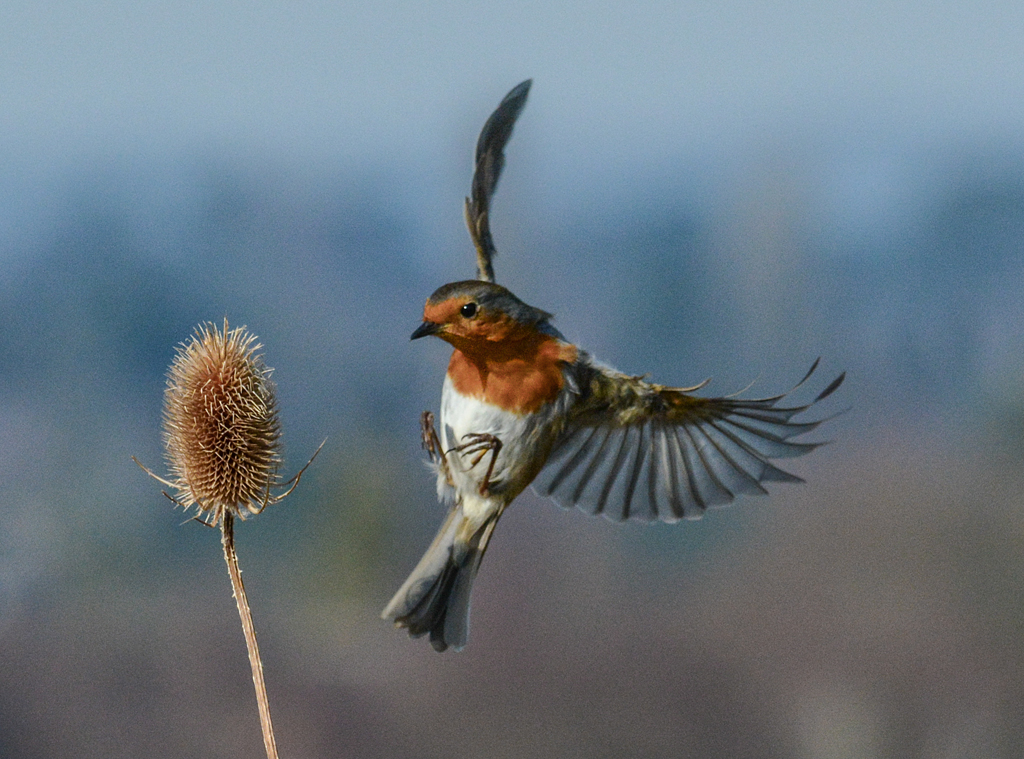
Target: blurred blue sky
(88, 75)
(617, 84)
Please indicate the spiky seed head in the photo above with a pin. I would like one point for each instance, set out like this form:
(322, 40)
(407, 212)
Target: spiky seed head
(220, 424)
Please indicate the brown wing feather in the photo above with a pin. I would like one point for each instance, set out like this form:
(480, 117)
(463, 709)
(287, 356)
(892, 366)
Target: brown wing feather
(490, 159)
(635, 449)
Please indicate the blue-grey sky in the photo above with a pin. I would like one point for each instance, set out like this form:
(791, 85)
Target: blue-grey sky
(327, 80)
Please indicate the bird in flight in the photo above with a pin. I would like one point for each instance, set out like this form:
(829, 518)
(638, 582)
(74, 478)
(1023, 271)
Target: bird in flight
(522, 405)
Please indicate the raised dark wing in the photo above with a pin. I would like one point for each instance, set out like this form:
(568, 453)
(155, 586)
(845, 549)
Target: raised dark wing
(636, 450)
(490, 159)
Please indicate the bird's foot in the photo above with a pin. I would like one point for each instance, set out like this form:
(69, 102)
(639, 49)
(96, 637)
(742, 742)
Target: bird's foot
(432, 444)
(478, 445)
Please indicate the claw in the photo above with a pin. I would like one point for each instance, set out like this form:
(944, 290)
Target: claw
(480, 443)
(432, 445)
(429, 435)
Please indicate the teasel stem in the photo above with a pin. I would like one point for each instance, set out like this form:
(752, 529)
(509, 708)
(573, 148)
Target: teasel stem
(228, 541)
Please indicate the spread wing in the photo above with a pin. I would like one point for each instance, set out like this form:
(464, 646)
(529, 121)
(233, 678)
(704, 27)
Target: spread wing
(490, 159)
(633, 449)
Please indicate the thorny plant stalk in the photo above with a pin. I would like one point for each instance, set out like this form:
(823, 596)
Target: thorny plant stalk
(228, 540)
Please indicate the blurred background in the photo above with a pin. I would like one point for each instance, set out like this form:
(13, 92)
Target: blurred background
(724, 190)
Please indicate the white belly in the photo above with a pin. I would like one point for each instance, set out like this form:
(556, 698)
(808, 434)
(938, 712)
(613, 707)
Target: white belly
(521, 436)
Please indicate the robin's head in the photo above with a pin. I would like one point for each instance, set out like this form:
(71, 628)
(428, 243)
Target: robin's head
(472, 311)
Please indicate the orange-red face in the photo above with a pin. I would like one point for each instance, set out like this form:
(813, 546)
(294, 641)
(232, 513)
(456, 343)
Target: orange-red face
(461, 319)
(480, 313)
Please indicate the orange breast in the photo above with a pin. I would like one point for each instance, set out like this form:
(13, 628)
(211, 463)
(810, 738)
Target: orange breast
(517, 375)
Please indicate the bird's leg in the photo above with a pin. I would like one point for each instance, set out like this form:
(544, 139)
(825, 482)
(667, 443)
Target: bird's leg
(480, 443)
(432, 445)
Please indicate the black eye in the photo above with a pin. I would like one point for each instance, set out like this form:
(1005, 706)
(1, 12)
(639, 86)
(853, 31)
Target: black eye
(468, 310)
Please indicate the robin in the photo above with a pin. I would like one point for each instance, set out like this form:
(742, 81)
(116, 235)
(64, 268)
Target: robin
(521, 404)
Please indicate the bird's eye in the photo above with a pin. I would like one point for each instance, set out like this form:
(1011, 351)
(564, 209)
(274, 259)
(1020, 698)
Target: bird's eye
(468, 310)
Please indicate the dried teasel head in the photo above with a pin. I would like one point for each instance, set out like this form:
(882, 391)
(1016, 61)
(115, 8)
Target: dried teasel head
(220, 425)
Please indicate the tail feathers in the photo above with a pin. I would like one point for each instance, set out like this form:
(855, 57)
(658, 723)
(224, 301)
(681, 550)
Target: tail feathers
(435, 598)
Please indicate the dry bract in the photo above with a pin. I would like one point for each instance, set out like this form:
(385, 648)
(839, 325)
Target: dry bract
(220, 424)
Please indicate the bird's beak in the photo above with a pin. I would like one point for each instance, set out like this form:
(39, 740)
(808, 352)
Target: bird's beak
(427, 328)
